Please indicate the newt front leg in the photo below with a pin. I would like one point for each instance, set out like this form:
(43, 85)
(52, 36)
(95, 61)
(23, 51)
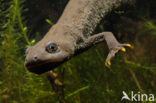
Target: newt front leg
(53, 77)
(113, 45)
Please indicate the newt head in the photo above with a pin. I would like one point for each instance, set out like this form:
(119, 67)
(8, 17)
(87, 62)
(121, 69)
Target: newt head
(48, 53)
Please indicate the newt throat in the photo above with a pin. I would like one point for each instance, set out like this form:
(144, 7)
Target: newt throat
(40, 68)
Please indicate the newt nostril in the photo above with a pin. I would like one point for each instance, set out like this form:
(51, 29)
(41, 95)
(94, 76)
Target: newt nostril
(35, 58)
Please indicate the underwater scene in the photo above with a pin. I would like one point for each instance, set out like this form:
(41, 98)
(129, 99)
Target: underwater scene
(77, 51)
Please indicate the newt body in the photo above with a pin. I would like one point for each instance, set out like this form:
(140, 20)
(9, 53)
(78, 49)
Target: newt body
(72, 34)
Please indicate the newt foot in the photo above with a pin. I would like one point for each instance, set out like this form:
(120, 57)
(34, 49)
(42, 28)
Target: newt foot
(53, 77)
(114, 50)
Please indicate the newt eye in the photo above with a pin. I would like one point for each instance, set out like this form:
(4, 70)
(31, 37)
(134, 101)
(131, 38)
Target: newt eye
(51, 47)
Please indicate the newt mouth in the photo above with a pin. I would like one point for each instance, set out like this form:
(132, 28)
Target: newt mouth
(40, 68)
(42, 65)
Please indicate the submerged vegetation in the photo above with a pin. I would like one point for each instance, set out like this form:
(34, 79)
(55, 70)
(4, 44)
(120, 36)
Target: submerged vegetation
(85, 76)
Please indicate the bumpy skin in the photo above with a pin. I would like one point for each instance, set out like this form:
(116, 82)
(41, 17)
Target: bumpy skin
(72, 35)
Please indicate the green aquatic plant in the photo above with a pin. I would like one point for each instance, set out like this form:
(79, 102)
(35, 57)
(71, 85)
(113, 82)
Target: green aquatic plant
(151, 27)
(15, 82)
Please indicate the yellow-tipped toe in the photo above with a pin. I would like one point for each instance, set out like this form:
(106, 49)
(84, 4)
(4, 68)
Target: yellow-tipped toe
(123, 50)
(130, 46)
(57, 82)
(108, 63)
